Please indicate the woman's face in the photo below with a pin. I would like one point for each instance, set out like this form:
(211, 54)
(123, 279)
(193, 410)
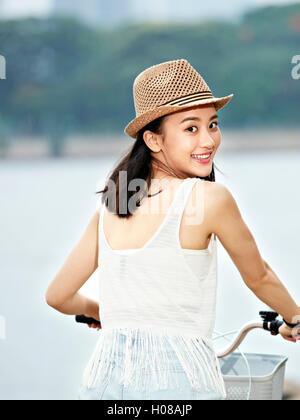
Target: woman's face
(188, 133)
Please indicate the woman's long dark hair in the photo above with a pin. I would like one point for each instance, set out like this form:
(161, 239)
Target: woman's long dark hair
(137, 163)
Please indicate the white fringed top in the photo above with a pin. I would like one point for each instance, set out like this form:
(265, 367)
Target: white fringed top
(153, 293)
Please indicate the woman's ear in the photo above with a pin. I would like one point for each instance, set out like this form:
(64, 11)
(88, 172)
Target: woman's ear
(151, 140)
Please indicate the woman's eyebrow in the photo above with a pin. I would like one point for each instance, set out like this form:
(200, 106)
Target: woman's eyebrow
(198, 119)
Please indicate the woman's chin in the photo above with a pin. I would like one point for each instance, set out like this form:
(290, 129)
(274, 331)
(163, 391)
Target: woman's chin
(205, 171)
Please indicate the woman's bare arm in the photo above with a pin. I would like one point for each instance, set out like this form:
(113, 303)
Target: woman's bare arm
(224, 219)
(62, 293)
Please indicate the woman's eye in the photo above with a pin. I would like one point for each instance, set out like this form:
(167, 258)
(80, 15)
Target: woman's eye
(192, 126)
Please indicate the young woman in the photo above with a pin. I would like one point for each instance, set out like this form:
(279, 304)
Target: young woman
(154, 241)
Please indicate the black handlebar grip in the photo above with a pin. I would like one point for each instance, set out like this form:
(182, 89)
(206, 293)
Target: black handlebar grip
(274, 326)
(81, 319)
(268, 316)
(270, 321)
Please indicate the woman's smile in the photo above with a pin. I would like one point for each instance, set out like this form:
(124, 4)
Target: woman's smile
(203, 159)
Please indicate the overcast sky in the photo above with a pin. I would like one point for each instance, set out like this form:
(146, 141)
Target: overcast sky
(12, 8)
(26, 7)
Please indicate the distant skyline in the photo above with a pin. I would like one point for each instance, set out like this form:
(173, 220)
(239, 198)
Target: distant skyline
(98, 12)
(17, 8)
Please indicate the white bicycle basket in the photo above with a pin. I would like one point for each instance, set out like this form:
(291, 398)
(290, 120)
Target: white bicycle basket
(267, 376)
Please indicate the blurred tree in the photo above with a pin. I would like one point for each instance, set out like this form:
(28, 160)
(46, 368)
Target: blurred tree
(42, 55)
(64, 77)
(4, 142)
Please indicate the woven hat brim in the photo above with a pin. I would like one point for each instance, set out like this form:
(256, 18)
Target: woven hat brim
(138, 123)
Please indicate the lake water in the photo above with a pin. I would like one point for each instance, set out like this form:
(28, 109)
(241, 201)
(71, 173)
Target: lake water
(45, 207)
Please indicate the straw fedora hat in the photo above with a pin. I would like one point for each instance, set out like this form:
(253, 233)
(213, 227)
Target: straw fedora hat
(168, 87)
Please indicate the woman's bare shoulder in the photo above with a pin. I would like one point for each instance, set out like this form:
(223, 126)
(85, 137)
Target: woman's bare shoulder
(214, 192)
(217, 199)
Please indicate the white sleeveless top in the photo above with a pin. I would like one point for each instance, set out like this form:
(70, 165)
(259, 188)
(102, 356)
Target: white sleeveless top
(160, 292)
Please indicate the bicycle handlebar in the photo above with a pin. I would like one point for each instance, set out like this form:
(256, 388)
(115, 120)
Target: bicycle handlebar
(82, 319)
(269, 323)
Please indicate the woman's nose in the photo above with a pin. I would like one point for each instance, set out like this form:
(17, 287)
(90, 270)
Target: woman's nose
(207, 141)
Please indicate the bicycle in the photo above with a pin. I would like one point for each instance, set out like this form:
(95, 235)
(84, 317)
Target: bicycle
(266, 372)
